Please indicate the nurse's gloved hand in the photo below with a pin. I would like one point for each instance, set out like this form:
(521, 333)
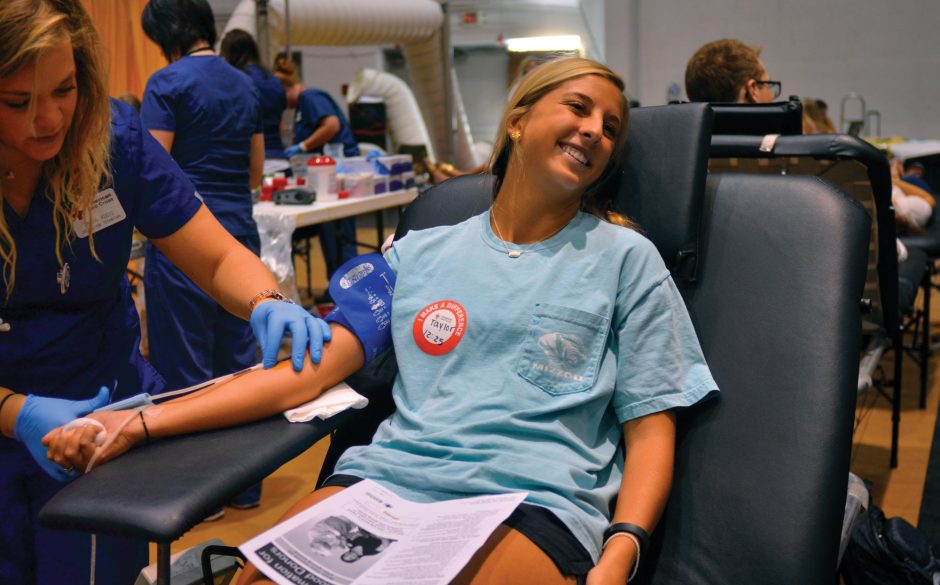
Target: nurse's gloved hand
(41, 414)
(270, 319)
(293, 150)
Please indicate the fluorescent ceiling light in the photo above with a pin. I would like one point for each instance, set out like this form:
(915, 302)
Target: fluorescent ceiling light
(550, 43)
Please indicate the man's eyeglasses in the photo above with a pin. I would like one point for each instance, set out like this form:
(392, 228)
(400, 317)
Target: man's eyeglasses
(775, 86)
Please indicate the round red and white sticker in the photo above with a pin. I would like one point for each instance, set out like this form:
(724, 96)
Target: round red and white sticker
(439, 327)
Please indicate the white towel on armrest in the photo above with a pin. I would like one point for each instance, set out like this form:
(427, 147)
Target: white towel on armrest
(336, 399)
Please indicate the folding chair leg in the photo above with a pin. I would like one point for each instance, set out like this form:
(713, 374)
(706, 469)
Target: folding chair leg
(215, 550)
(163, 563)
(896, 399)
(925, 338)
(380, 227)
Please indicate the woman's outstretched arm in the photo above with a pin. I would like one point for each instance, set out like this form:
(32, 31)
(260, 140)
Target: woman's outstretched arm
(647, 478)
(246, 398)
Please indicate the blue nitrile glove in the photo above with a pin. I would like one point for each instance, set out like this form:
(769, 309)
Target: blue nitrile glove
(41, 414)
(293, 150)
(271, 318)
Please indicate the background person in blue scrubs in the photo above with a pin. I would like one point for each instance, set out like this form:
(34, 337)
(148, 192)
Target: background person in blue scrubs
(240, 50)
(77, 174)
(207, 114)
(321, 121)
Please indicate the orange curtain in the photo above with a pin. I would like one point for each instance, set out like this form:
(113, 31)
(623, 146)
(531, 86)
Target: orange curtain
(132, 57)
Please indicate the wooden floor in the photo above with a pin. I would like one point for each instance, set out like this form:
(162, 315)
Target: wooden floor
(896, 491)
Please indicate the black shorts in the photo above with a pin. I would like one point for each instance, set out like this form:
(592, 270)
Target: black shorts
(537, 524)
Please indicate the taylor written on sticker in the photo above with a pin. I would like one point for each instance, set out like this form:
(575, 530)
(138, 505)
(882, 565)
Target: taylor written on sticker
(439, 327)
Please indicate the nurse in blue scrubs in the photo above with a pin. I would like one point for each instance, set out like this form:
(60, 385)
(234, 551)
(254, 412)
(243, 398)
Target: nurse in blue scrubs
(321, 121)
(240, 50)
(77, 174)
(208, 115)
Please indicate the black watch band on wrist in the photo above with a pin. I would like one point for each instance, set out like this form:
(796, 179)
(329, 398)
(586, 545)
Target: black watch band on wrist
(642, 536)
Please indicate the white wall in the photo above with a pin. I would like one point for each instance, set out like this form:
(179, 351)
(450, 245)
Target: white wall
(482, 74)
(889, 52)
(328, 68)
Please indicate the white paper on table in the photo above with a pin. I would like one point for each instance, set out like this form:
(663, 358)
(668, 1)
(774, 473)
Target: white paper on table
(366, 535)
(335, 400)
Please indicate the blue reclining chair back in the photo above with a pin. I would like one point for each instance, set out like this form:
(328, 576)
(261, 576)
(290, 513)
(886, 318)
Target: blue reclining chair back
(663, 181)
(760, 480)
(848, 162)
(861, 170)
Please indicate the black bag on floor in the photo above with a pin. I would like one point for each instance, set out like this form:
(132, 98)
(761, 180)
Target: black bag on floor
(888, 552)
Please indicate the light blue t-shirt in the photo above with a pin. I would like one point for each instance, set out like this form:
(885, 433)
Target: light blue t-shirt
(517, 373)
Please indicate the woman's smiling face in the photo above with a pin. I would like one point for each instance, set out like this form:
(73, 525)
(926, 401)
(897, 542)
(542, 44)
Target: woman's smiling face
(567, 138)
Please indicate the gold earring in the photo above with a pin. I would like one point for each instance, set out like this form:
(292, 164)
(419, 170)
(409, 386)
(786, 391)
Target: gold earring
(515, 135)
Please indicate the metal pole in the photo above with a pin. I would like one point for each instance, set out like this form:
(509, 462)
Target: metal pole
(163, 563)
(262, 32)
(448, 51)
(287, 29)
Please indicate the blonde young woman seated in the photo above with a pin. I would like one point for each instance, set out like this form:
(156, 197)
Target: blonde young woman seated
(575, 347)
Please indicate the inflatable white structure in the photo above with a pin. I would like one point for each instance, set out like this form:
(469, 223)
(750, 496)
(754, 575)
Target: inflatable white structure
(416, 25)
(404, 117)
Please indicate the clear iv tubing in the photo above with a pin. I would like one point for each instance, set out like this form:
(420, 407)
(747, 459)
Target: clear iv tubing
(143, 399)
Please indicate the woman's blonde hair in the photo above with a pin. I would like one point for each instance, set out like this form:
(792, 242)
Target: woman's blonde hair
(533, 87)
(28, 28)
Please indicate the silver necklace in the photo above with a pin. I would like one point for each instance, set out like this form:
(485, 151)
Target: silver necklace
(517, 253)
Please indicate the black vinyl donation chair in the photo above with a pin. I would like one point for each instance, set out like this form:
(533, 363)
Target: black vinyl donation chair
(861, 170)
(776, 445)
(760, 484)
(760, 481)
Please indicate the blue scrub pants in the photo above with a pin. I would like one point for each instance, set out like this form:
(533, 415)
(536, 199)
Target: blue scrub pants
(192, 338)
(335, 255)
(32, 555)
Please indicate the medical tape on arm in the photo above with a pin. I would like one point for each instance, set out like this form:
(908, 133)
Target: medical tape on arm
(362, 289)
(102, 439)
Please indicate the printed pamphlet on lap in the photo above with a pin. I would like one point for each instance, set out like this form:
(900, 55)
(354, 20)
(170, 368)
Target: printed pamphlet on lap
(366, 535)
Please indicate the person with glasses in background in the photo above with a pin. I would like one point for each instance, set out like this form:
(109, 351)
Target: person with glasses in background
(729, 71)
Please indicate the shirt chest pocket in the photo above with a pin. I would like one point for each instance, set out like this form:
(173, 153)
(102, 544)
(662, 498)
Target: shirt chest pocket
(562, 349)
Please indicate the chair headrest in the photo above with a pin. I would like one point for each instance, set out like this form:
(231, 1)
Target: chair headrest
(448, 203)
(841, 149)
(664, 168)
(759, 119)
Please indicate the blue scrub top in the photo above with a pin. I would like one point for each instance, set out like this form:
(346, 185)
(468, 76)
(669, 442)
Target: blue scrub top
(213, 109)
(273, 104)
(68, 345)
(917, 182)
(312, 106)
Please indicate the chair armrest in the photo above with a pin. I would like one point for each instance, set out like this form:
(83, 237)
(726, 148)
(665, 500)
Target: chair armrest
(159, 491)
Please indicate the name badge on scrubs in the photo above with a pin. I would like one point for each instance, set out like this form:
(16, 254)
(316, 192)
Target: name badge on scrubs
(106, 210)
